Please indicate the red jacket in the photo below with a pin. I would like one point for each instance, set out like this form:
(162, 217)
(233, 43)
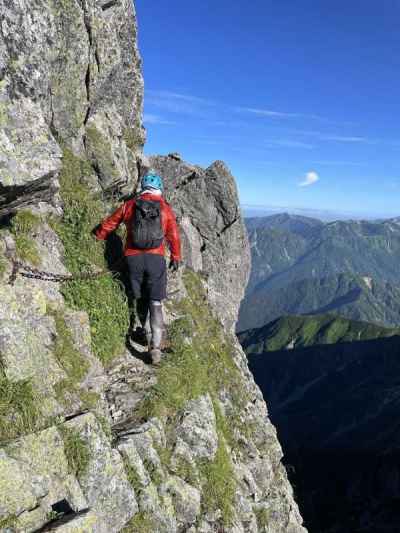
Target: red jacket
(126, 213)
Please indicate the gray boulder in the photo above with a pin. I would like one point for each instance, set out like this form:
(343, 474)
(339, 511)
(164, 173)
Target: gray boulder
(197, 428)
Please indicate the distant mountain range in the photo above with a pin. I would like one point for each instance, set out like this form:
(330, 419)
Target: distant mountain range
(301, 265)
(327, 215)
(333, 390)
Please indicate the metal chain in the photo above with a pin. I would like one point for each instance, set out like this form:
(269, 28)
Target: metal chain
(29, 272)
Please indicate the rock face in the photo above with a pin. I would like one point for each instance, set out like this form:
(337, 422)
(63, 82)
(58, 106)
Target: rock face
(69, 71)
(91, 437)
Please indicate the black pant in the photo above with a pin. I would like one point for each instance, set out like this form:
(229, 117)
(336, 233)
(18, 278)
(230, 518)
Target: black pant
(148, 275)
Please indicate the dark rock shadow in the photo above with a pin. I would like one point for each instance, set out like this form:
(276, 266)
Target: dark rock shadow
(5, 221)
(142, 355)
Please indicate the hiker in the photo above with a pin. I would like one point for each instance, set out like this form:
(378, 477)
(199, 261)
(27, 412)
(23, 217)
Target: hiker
(149, 220)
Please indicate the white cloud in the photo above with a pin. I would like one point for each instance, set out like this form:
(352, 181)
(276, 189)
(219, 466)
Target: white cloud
(267, 112)
(179, 96)
(276, 114)
(149, 118)
(287, 143)
(178, 103)
(310, 179)
(342, 139)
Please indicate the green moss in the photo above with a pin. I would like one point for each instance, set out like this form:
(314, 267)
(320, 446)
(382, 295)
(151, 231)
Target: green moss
(105, 426)
(25, 222)
(8, 523)
(153, 471)
(101, 148)
(181, 328)
(224, 428)
(133, 139)
(19, 409)
(51, 516)
(165, 454)
(89, 399)
(219, 485)
(26, 249)
(70, 359)
(73, 363)
(2, 264)
(133, 476)
(141, 523)
(262, 516)
(103, 298)
(3, 114)
(76, 451)
(23, 226)
(186, 471)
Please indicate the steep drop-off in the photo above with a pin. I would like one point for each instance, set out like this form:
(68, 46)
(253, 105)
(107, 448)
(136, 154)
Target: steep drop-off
(335, 402)
(92, 438)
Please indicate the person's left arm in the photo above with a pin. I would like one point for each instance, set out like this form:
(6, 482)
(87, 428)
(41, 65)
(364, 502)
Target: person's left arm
(172, 235)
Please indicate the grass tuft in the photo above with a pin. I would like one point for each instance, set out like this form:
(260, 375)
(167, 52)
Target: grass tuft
(141, 523)
(25, 222)
(70, 359)
(186, 471)
(219, 485)
(19, 409)
(262, 516)
(103, 298)
(8, 523)
(76, 451)
(105, 426)
(73, 363)
(133, 139)
(132, 476)
(154, 472)
(2, 264)
(23, 226)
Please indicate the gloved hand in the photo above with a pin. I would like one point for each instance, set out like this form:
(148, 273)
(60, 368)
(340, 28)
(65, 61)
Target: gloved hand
(174, 265)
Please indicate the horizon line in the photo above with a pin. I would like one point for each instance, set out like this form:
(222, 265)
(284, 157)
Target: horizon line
(282, 208)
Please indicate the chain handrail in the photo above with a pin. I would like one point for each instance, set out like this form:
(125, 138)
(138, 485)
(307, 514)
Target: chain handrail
(22, 269)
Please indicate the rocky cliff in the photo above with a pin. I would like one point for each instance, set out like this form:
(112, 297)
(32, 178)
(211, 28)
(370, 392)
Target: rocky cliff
(92, 438)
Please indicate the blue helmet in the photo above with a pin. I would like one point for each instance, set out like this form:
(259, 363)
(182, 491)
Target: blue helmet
(151, 180)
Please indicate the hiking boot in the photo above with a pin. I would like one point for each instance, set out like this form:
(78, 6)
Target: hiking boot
(155, 354)
(139, 336)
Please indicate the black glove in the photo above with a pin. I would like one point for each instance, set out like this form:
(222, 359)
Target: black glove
(174, 265)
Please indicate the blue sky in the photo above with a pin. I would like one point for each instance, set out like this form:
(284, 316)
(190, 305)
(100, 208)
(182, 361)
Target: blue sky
(300, 99)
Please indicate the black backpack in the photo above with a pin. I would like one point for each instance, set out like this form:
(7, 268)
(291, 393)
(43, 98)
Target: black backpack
(147, 231)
